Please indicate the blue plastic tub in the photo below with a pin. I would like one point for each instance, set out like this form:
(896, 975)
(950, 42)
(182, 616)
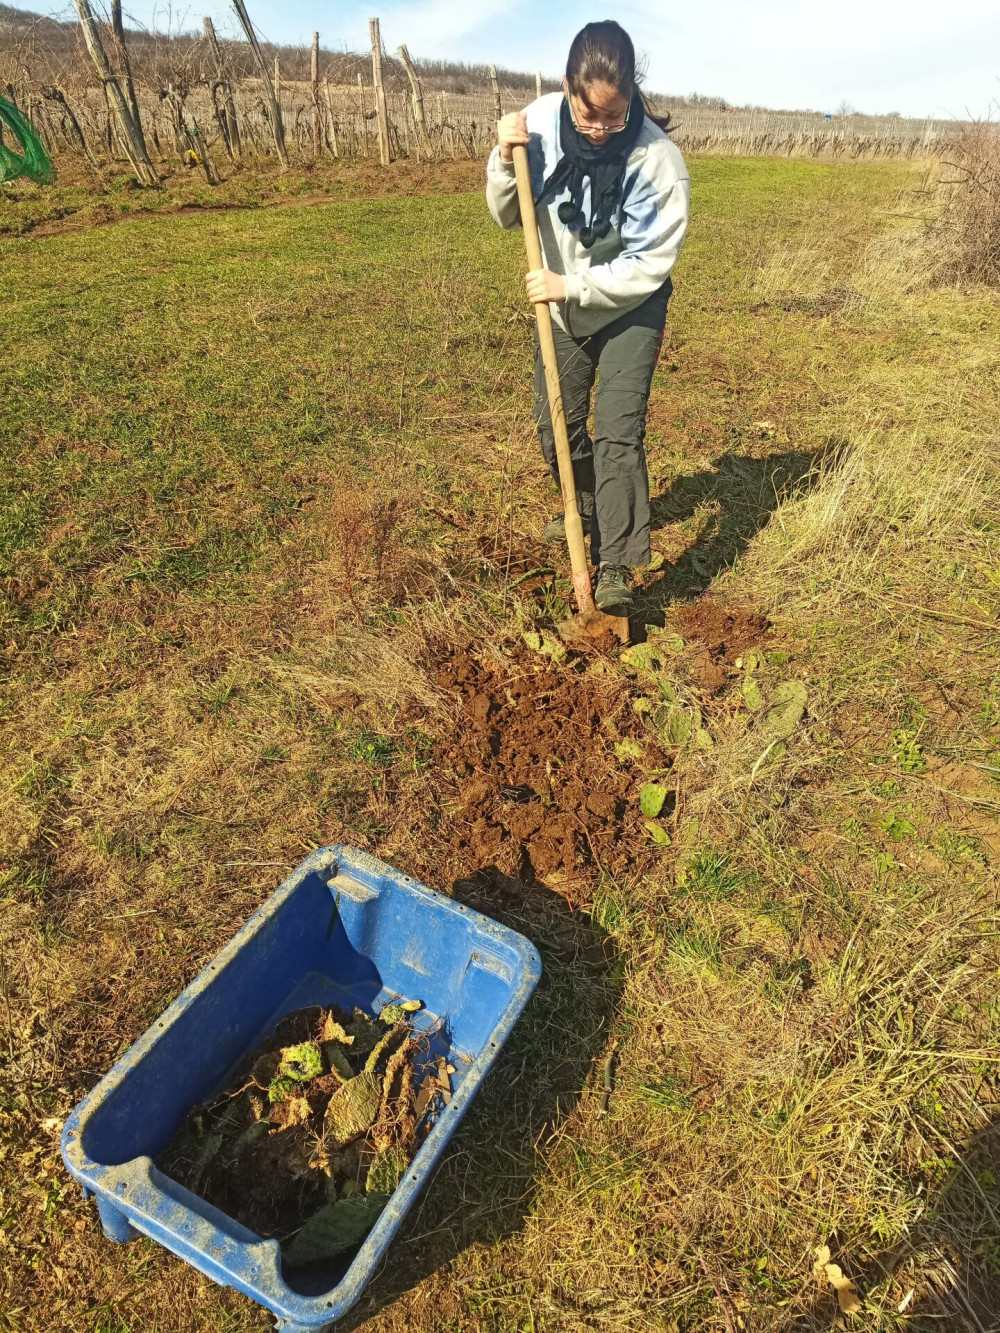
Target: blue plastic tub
(342, 929)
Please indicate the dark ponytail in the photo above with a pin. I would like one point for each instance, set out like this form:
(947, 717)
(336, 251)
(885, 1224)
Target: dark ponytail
(603, 53)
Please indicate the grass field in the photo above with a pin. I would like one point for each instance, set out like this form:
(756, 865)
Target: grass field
(77, 200)
(268, 482)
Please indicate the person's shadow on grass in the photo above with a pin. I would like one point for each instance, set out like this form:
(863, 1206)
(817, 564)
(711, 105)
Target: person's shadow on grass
(943, 1275)
(481, 1192)
(739, 494)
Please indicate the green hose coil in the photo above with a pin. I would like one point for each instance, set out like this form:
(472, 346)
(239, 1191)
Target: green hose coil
(33, 160)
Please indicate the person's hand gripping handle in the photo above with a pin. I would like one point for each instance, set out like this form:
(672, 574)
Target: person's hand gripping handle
(542, 283)
(574, 525)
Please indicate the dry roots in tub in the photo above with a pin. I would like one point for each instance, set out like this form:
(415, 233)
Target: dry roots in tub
(317, 1128)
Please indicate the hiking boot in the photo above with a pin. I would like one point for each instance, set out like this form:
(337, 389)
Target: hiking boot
(613, 594)
(555, 530)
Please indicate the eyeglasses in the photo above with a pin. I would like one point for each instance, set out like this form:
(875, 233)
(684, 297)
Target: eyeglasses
(598, 129)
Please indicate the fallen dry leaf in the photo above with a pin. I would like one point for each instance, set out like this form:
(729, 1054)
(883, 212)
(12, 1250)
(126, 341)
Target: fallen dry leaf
(444, 1080)
(848, 1300)
(426, 1093)
(847, 1296)
(822, 1253)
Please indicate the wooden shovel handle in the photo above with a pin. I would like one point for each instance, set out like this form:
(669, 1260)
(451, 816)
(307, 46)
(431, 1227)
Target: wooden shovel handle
(574, 525)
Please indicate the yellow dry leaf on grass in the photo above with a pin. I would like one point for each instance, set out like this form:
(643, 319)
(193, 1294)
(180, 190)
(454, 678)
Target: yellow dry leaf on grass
(822, 1259)
(847, 1296)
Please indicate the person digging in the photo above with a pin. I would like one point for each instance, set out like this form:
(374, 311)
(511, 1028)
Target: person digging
(612, 195)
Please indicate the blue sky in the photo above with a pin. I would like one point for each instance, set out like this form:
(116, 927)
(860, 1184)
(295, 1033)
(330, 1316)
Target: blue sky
(919, 57)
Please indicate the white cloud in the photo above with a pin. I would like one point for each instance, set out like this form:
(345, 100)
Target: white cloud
(436, 28)
(917, 57)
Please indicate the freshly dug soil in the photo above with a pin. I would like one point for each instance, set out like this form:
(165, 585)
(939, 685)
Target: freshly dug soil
(718, 635)
(530, 781)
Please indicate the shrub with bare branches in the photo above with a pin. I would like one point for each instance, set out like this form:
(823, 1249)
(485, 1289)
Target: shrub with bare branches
(972, 216)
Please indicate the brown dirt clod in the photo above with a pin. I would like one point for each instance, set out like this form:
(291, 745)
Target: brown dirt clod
(594, 631)
(530, 781)
(718, 636)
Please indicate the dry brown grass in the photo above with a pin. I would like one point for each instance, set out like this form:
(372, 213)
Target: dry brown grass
(946, 230)
(972, 217)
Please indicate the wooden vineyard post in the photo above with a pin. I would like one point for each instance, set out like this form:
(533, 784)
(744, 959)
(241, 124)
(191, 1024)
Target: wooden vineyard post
(172, 98)
(199, 147)
(384, 148)
(220, 119)
(497, 104)
(538, 84)
(277, 128)
(234, 145)
(446, 133)
(314, 76)
(364, 119)
(108, 132)
(118, 31)
(277, 82)
(332, 139)
(419, 118)
(131, 130)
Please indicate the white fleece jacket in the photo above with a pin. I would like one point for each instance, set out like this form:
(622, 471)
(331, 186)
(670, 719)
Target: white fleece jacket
(635, 258)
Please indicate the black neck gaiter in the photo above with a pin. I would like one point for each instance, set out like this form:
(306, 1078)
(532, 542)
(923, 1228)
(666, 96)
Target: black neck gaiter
(604, 164)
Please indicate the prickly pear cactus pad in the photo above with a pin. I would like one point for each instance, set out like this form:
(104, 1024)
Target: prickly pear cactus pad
(335, 1228)
(352, 1108)
(316, 1129)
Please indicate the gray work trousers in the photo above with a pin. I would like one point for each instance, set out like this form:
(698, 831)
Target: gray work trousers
(612, 484)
